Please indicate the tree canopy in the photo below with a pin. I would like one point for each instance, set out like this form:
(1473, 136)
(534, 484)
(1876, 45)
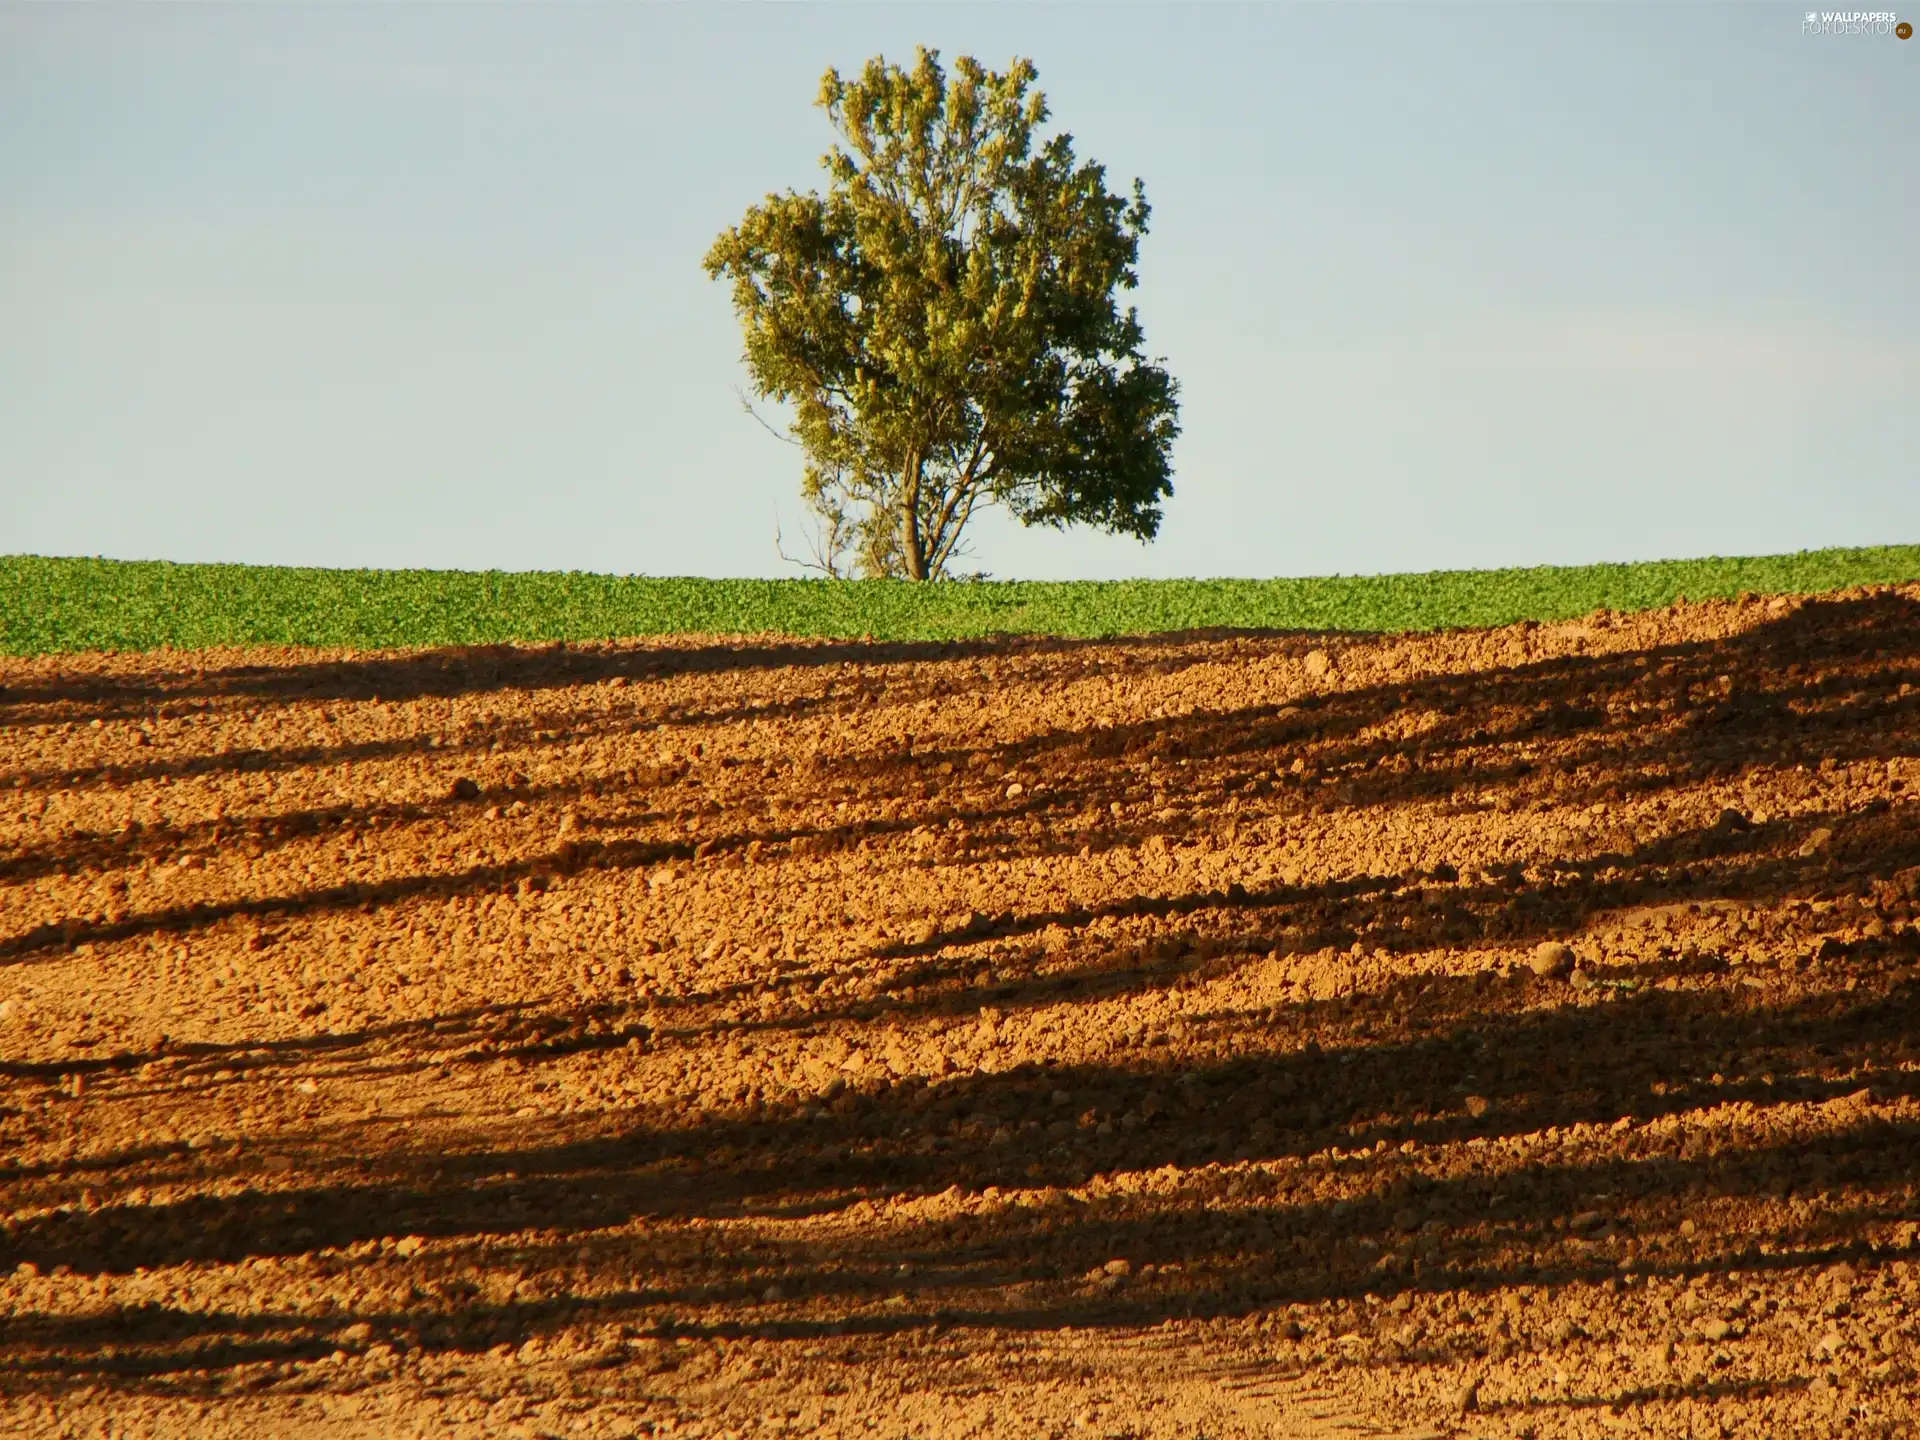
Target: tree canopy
(944, 323)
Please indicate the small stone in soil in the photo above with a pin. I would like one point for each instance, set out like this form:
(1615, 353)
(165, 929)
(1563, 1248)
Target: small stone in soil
(1552, 960)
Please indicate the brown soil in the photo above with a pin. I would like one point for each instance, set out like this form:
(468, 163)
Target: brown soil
(1023, 1038)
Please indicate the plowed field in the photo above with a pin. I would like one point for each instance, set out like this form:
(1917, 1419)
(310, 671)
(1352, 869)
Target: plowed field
(1501, 1033)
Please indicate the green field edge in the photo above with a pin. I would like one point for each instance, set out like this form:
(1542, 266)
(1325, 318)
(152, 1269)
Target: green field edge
(64, 605)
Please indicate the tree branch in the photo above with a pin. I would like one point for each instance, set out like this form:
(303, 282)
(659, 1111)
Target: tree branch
(824, 553)
(761, 421)
(951, 543)
(966, 485)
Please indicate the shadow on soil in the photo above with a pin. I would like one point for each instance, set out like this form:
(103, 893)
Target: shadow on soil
(454, 672)
(1833, 684)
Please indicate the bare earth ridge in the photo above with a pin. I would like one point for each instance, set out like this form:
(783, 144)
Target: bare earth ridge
(1499, 1033)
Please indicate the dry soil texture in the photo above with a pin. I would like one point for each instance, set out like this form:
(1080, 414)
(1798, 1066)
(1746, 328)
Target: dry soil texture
(1501, 1034)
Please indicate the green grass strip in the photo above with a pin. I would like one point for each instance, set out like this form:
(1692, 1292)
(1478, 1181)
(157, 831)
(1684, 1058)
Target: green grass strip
(56, 605)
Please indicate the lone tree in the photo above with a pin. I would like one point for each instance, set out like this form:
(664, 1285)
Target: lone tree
(943, 321)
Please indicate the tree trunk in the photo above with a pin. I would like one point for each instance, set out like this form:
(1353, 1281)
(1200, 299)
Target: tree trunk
(910, 538)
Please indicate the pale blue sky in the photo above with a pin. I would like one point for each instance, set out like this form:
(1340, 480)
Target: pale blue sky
(1445, 285)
